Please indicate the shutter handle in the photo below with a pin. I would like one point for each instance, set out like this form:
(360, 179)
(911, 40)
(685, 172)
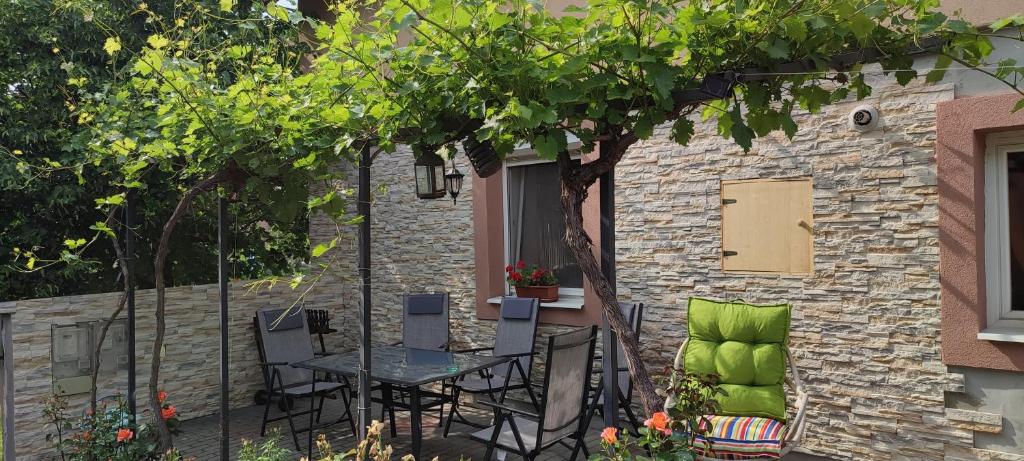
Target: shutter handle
(729, 253)
(804, 225)
(728, 201)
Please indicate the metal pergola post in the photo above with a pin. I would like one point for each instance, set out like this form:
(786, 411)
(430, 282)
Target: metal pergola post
(609, 364)
(364, 277)
(222, 276)
(129, 263)
(7, 384)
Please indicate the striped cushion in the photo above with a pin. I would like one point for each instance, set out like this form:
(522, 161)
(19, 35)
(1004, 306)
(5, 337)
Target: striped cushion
(742, 437)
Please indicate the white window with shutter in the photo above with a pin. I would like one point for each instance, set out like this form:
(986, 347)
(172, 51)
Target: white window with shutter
(767, 226)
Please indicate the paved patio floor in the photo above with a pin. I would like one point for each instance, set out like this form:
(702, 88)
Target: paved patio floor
(200, 437)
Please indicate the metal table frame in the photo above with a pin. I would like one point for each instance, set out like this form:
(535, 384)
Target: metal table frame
(390, 382)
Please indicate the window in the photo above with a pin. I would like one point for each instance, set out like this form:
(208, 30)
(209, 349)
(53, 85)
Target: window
(1004, 230)
(767, 226)
(534, 226)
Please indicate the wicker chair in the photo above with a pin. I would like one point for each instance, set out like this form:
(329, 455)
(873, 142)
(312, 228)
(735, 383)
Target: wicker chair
(747, 325)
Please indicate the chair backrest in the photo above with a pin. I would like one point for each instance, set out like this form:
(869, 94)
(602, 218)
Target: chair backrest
(745, 345)
(570, 360)
(516, 332)
(425, 321)
(285, 338)
(634, 315)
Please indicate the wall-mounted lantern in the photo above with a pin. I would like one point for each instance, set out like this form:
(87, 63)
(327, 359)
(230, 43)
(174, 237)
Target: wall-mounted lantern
(453, 181)
(430, 175)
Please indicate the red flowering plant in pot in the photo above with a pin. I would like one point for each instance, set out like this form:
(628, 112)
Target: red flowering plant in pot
(532, 281)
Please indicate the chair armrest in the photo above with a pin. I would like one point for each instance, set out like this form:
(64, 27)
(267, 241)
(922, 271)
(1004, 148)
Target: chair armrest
(502, 407)
(473, 350)
(523, 354)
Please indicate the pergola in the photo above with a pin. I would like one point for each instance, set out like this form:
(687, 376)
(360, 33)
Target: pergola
(713, 87)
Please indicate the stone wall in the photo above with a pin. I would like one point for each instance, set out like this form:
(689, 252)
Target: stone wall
(190, 371)
(866, 322)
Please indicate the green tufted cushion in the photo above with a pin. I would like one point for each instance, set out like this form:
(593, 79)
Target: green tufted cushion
(745, 344)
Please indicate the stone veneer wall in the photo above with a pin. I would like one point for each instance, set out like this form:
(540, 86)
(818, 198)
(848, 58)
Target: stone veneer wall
(866, 323)
(190, 371)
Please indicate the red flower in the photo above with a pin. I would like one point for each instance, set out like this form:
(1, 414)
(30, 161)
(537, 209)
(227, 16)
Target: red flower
(537, 274)
(508, 268)
(87, 436)
(161, 396)
(610, 435)
(521, 265)
(516, 277)
(169, 412)
(124, 434)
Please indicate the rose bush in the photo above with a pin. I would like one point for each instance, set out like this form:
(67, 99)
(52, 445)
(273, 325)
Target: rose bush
(108, 434)
(671, 434)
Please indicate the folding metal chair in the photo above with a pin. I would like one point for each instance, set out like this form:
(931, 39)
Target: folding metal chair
(425, 325)
(563, 407)
(515, 337)
(283, 338)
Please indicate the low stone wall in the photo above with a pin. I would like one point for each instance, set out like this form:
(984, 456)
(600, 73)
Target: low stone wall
(190, 371)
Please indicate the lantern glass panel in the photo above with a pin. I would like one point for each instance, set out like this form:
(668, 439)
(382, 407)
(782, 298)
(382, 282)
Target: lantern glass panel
(429, 181)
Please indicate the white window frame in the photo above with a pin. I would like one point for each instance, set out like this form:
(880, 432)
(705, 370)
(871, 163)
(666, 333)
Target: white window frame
(523, 156)
(1004, 324)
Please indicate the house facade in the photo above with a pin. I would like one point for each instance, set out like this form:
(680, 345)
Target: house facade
(903, 285)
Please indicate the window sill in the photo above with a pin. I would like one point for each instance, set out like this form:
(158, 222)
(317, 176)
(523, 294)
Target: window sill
(570, 302)
(1010, 331)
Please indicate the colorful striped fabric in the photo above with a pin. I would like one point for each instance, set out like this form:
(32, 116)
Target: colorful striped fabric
(742, 438)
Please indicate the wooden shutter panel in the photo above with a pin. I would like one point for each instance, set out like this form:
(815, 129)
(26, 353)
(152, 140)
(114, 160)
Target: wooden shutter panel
(766, 226)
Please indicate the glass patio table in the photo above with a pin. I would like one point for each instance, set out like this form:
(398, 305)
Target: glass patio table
(405, 369)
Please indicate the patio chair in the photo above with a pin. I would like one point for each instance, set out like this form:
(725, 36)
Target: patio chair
(515, 337)
(425, 321)
(283, 339)
(634, 315)
(746, 345)
(562, 414)
(425, 325)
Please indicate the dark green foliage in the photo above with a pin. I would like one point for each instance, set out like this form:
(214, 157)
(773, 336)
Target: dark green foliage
(43, 43)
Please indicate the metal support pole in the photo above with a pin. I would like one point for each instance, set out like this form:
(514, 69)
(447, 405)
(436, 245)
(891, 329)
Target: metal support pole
(7, 384)
(129, 262)
(364, 277)
(610, 347)
(222, 275)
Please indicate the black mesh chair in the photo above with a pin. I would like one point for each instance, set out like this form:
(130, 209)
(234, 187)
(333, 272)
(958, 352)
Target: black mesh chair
(562, 414)
(634, 315)
(515, 337)
(283, 338)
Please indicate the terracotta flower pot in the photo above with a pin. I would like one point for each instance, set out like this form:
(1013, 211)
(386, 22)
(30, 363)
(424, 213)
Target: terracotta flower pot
(545, 294)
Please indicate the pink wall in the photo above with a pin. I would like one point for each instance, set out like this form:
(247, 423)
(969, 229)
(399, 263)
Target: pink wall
(960, 155)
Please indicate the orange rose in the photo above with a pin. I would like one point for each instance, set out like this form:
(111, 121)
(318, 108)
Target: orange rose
(610, 435)
(161, 396)
(169, 412)
(659, 422)
(124, 434)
